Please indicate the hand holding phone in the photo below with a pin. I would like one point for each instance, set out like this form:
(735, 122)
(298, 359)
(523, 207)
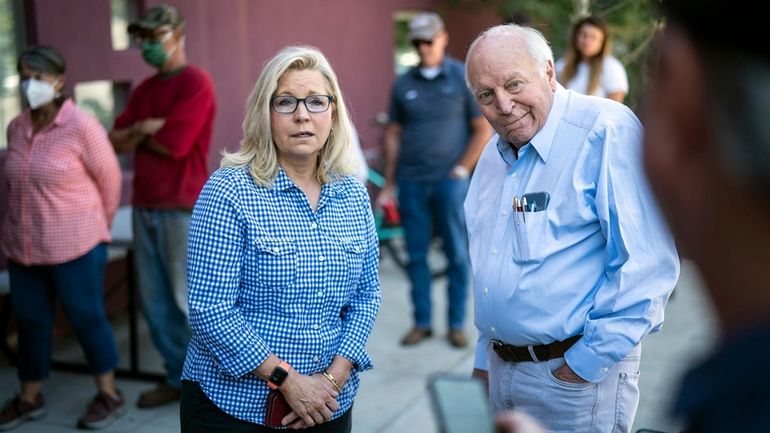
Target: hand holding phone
(277, 408)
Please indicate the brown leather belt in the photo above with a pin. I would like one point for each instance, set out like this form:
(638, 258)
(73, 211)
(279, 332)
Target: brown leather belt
(539, 353)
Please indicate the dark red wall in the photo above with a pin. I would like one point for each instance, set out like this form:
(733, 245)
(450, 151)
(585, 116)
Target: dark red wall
(231, 39)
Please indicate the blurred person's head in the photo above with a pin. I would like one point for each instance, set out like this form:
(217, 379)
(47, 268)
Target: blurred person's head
(510, 72)
(707, 149)
(589, 43)
(590, 37)
(279, 127)
(160, 33)
(41, 72)
(429, 37)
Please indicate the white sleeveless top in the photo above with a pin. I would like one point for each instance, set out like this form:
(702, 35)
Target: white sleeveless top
(612, 79)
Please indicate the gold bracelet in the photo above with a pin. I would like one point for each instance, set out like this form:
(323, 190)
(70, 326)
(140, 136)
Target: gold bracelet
(333, 381)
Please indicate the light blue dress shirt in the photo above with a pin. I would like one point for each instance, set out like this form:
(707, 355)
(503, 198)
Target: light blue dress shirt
(267, 274)
(599, 261)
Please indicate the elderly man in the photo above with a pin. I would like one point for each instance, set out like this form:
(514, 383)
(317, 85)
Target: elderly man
(572, 264)
(707, 153)
(432, 142)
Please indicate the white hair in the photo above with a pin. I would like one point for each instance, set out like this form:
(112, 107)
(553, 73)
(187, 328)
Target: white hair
(534, 42)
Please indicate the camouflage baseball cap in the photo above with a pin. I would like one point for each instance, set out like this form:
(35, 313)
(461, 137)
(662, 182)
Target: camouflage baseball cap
(425, 26)
(158, 16)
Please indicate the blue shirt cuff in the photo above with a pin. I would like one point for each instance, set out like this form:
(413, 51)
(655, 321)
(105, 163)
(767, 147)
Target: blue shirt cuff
(586, 363)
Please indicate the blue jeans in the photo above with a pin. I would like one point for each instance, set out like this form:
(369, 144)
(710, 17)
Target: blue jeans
(79, 287)
(160, 242)
(421, 204)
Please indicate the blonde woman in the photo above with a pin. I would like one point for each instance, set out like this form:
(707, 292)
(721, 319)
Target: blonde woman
(588, 66)
(283, 260)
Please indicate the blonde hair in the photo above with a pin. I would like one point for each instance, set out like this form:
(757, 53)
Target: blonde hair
(257, 150)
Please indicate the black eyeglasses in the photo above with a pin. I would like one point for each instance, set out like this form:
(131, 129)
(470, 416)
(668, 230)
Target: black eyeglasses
(285, 104)
(417, 42)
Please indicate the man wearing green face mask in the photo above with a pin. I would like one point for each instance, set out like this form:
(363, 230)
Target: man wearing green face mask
(167, 123)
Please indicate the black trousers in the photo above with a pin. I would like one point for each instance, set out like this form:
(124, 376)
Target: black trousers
(198, 414)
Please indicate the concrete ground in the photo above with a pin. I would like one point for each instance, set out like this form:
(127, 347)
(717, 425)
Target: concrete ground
(393, 397)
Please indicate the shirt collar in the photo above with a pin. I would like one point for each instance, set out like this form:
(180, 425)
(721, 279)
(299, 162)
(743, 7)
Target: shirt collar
(283, 182)
(444, 67)
(543, 140)
(64, 114)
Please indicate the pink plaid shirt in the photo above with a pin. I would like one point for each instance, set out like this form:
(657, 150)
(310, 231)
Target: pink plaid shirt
(63, 188)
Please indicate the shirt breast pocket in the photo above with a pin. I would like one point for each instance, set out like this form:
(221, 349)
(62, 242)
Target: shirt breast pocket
(354, 249)
(529, 236)
(276, 262)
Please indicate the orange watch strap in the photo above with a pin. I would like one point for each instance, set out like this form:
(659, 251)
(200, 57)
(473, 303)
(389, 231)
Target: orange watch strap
(283, 366)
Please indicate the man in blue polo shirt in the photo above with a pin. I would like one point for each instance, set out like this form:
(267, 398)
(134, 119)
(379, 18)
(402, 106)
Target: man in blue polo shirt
(434, 138)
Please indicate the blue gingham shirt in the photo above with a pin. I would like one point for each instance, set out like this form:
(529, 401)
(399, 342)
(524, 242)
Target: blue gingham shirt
(599, 261)
(267, 274)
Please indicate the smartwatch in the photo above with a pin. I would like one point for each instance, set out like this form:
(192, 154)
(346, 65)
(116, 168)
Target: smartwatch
(279, 374)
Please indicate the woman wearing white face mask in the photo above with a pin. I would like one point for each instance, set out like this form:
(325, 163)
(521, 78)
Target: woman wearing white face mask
(63, 183)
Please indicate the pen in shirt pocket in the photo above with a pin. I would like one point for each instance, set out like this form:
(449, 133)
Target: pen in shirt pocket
(516, 209)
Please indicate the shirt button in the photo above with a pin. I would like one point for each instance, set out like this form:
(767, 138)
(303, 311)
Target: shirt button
(320, 293)
(493, 329)
(486, 290)
(514, 175)
(313, 225)
(494, 251)
(605, 369)
(276, 250)
(316, 326)
(321, 258)
(316, 358)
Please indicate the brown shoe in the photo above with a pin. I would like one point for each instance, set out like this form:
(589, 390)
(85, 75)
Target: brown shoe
(102, 411)
(457, 338)
(415, 336)
(163, 394)
(16, 411)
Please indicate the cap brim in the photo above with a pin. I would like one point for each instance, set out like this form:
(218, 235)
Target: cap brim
(426, 35)
(142, 25)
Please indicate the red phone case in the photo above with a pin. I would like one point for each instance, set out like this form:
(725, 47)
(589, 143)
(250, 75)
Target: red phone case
(276, 409)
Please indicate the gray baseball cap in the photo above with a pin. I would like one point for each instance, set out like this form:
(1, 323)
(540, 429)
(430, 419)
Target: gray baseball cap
(425, 26)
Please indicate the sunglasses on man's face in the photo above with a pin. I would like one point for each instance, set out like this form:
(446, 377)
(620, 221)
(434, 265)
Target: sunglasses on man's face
(418, 42)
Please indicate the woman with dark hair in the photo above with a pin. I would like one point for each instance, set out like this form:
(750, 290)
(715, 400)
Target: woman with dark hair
(588, 66)
(63, 183)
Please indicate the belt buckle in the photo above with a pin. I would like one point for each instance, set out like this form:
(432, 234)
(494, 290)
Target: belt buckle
(504, 352)
(499, 348)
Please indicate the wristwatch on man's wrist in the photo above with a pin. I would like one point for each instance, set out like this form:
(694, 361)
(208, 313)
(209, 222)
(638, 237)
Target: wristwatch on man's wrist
(279, 374)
